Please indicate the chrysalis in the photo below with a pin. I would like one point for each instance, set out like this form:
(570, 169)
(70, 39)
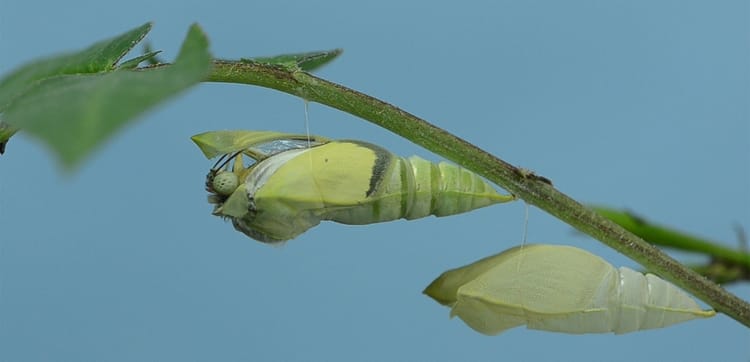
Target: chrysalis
(560, 289)
(297, 181)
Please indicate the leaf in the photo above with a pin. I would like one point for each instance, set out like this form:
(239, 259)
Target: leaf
(672, 238)
(76, 113)
(6, 131)
(134, 62)
(308, 61)
(99, 57)
(147, 48)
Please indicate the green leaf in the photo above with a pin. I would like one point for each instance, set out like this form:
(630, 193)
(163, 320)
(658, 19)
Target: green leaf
(134, 62)
(671, 238)
(99, 57)
(6, 132)
(76, 113)
(303, 61)
(147, 48)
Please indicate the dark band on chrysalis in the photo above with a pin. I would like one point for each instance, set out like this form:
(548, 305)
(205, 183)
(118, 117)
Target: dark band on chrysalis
(383, 159)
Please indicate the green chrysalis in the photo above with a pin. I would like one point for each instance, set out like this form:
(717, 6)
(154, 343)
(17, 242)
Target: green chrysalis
(297, 181)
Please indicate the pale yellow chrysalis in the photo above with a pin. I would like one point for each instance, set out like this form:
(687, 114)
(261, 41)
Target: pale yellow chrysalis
(560, 289)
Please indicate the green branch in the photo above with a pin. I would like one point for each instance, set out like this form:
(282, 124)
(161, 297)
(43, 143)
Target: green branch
(534, 190)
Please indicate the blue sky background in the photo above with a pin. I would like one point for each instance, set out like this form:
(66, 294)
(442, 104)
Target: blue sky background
(637, 104)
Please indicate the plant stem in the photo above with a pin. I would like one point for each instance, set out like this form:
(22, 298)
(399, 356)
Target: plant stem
(532, 189)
